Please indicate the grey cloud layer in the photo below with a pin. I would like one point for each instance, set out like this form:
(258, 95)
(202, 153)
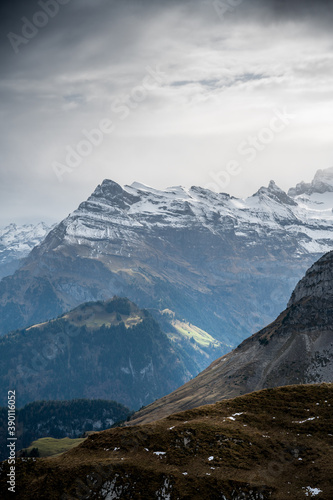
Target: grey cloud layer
(222, 79)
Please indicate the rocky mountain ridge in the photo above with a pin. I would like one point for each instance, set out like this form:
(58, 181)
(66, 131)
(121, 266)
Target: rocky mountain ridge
(297, 348)
(224, 264)
(322, 183)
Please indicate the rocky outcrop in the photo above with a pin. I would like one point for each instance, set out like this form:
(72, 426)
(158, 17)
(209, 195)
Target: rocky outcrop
(318, 282)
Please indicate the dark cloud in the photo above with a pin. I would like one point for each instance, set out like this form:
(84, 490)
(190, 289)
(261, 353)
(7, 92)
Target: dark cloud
(291, 8)
(66, 77)
(121, 19)
(313, 12)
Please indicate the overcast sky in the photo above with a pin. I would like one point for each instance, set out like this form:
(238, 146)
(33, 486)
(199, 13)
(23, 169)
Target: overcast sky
(223, 94)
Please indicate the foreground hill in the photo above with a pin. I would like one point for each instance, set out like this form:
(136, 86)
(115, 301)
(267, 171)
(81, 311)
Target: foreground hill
(273, 444)
(224, 264)
(107, 350)
(296, 349)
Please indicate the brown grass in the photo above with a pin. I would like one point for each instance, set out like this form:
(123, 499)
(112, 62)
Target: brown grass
(256, 453)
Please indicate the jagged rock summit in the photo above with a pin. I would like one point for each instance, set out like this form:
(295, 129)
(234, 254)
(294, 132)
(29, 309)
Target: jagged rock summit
(322, 183)
(297, 348)
(277, 194)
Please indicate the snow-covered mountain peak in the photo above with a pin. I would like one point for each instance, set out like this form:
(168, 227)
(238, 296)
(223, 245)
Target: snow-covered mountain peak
(14, 234)
(116, 213)
(139, 186)
(16, 242)
(274, 188)
(322, 183)
(173, 192)
(274, 192)
(108, 187)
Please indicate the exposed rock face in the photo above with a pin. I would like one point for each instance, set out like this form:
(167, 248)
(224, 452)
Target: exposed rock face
(297, 348)
(318, 282)
(224, 264)
(275, 193)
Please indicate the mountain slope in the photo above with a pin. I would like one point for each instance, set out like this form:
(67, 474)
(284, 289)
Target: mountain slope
(223, 264)
(273, 444)
(78, 345)
(16, 242)
(296, 349)
(197, 347)
(107, 350)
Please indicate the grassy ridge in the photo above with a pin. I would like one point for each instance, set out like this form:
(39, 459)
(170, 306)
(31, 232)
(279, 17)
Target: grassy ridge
(273, 444)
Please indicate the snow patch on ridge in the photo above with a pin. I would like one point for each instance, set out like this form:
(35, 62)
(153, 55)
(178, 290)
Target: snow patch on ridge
(114, 213)
(16, 242)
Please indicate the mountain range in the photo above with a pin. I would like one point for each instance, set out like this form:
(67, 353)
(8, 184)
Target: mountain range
(232, 432)
(297, 348)
(16, 242)
(271, 444)
(221, 263)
